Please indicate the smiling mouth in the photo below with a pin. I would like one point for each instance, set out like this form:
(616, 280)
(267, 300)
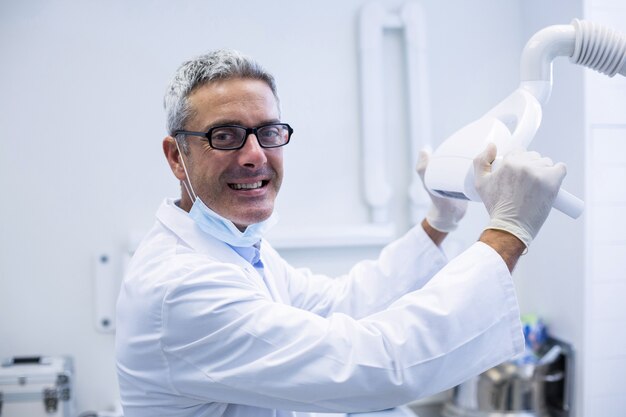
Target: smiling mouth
(249, 186)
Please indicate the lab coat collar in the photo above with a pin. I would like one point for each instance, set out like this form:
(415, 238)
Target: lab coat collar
(178, 221)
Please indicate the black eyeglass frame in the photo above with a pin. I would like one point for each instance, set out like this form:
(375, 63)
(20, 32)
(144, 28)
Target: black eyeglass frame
(249, 130)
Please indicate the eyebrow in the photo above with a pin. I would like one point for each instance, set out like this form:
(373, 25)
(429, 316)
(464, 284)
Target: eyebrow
(235, 122)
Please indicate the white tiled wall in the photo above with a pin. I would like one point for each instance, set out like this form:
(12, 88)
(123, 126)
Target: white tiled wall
(605, 354)
(609, 261)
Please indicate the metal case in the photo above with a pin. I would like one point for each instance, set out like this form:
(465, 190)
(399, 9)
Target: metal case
(36, 386)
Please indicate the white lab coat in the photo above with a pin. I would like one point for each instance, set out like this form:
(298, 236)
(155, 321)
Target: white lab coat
(201, 333)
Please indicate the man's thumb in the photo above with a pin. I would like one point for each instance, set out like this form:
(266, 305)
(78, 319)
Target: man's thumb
(483, 161)
(422, 162)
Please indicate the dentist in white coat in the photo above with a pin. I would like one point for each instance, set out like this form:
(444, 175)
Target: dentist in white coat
(213, 322)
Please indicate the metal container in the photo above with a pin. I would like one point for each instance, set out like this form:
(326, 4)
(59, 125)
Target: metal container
(36, 386)
(513, 390)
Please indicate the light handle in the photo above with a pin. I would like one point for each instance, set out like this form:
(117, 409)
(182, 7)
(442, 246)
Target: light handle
(567, 203)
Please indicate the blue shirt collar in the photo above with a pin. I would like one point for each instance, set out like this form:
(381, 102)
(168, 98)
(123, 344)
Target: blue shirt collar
(252, 254)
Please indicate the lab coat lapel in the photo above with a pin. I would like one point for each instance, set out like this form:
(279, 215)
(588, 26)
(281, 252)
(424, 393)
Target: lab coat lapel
(271, 284)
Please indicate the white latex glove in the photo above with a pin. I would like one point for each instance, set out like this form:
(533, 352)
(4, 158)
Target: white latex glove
(444, 214)
(519, 194)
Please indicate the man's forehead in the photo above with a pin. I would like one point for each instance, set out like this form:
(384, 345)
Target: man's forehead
(233, 100)
(233, 91)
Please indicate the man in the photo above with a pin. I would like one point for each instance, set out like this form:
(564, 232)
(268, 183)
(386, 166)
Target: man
(212, 322)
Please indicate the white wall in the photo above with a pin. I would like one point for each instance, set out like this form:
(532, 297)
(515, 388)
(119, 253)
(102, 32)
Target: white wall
(605, 289)
(82, 121)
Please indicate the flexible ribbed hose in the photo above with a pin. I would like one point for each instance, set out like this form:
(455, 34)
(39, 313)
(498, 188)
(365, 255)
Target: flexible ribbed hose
(600, 48)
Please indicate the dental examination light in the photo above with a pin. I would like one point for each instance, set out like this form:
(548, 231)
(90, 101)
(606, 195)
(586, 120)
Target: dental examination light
(512, 123)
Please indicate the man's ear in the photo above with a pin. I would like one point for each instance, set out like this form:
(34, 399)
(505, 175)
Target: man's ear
(173, 156)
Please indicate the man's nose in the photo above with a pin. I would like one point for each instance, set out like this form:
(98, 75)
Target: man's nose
(252, 154)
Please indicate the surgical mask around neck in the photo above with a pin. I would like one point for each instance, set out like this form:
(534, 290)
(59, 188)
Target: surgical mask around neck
(225, 230)
(218, 226)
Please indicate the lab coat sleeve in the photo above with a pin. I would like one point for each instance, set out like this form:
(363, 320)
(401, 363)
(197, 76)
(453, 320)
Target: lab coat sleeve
(225, 341)
(403, 266)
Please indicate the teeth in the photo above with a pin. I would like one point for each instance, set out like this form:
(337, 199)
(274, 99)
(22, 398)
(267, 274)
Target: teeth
(247, 186)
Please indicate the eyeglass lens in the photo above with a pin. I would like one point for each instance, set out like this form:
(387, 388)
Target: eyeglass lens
(229, 137)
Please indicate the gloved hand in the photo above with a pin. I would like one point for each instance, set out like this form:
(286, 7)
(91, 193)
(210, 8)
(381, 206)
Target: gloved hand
(519, 194)
(444, 214)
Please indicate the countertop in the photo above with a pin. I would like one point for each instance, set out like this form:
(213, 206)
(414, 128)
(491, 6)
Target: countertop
(427, 410)
(418, 410)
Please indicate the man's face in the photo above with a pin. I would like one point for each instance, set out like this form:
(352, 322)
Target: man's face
(217, 175)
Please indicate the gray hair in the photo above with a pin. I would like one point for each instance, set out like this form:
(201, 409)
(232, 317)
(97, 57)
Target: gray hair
(221, 64)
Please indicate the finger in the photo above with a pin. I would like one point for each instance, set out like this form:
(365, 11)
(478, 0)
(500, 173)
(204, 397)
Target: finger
(533, 155)
(482, 162)
(543, 161)
(547, 161)
(422, 162)
(561, 168)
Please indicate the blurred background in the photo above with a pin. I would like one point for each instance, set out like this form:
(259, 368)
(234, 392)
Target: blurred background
(82, 171)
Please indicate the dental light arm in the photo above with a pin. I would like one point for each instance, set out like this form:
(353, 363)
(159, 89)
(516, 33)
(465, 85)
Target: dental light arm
(513, 123)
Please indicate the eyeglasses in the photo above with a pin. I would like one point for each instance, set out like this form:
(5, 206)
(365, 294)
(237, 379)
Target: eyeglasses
(229, 137)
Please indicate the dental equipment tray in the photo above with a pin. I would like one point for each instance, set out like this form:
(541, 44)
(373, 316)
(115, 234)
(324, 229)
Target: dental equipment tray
(36, 386)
